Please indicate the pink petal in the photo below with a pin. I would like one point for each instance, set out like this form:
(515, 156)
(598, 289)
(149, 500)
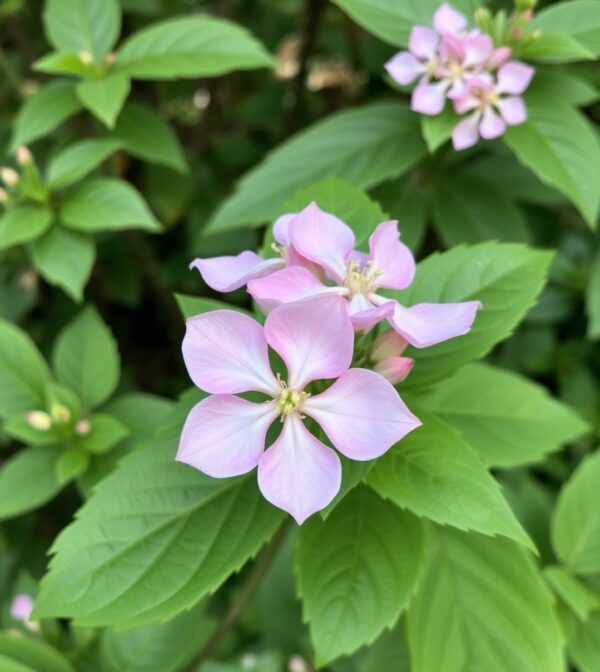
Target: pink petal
(512, 109)
(452, 48)
(429, 98)
(499, 56)
(423, 42)
(286, 286)
(298, 473)
(492, 125)
(365, 315)
(323, 239)
(362, 414)
(466, 132)
(404, 68)
(514, 77)
(429, 323)
(394, 369)
(466, 102)
(281, 228)
(224, 435)
(448, 20)
(478, 50)
(224, 274)
(391, 257)
(226, 352)
(314, 338)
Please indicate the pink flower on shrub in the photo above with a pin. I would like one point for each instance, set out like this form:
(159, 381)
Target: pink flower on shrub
(493, 105)
(358, 277)
(226, 354)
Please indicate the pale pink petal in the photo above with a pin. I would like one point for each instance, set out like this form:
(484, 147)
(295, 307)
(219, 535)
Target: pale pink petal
(466, 132)
(478, 50)
(226, 352)
(365, 315)
(314, 338)
(429, 323)
(391, 257)
(423, 42)
(394, 369)
(466, 102)
(224, 274)
(404, 68)
(281, 228)
(452, 48)
(21, 607)
(457, 89)
(512, 109)
(429, 98)
(448, 20)
(298, 473)
(388, 344)
(323, 239)
(514, 77)
(492, 125)
(290, 284)
(362, 414)
(499, 56)
(224, 435)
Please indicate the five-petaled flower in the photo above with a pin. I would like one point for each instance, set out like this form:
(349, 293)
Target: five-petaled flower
(227, 353)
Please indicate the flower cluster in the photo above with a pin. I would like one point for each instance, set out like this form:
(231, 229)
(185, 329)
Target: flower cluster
(318, 294)
(452, 62)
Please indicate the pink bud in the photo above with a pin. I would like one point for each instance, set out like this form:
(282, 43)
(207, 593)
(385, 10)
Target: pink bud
(395, 369)
(21, 607)
(83, 427)
(498, 57)
(388, 344)
(9, 176)
(24, 156)
(297, 664)
(39, 420)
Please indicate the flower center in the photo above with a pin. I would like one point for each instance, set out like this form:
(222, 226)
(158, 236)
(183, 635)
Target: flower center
(361, 280)
(455, 70)
(281, 250)
(290, 399)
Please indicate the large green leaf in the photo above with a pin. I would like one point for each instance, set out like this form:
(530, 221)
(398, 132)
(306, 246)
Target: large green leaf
(356, 572)
(392, 20)
(592, 299)
(482, 605)
(554, 48)
(572, 592)
(584, 644)
(580, 19)
(76, 26)
(86, 358)
(438, 128)
(562, 148)
(576, 521)
(362, 146)
(107, 204)
(79, 159)
(507, 419)
(505, 277)
(104, 98)
(23, 224)
(155, 537)
(191, 306)
(191, 46)
(29, 654)
(435, 474)
(23, 372)
(28, 480)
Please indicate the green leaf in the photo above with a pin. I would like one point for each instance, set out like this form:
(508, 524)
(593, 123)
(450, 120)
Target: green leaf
(562, 148)
(572, 592)
(343, 200)
(79, 159)
(361, 146)
(107, 204)
(191, 46)
(105, 433)
(435, 474)
(28, 654)
(105, 97)
(44, 111)
(356, 572)
(571, 85)
(506, 418)
(86, 358)
(392, 20)
(486, 601)
(19, 428)
(71, 464)
(65, 259)
(61, 63)
(190, 306)
(28, 480)
(141, 413)
(438, 129)
(557, 48)
(75, 26)
(584, 644)
(468, 209)
(157, 536)
(579, 19)
(145, 135)
(23, 372)
(505, 277)
(592, 299)
(23, 224)
(576, 520)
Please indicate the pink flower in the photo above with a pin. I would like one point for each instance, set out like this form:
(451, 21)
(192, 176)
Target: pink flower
(493, 106)
(21, 607)
(226, 353)
(358, 277)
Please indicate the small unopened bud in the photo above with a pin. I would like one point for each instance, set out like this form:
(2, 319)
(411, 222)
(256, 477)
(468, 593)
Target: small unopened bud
(394, 369)
(297, 664)
(110, 58)
(83, 427)
(86, 58)
(525, 5)
(9, 176)
(24, 156)
(21, 607)
(39, 420)
(3, 196)
(499, 57)
(60, 414)
(388, 344)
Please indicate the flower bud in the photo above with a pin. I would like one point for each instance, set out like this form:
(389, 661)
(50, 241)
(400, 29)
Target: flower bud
(394, 369)
(9, 176)
(484, 19)
(86, 58)
(388, 344)
(499, 57)
(24, 156)
(110, 58)
(21, 607)
(525, 5)
(83, 427)
(3, 195)
(39, 420)
(297, 664)
(60, 414)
